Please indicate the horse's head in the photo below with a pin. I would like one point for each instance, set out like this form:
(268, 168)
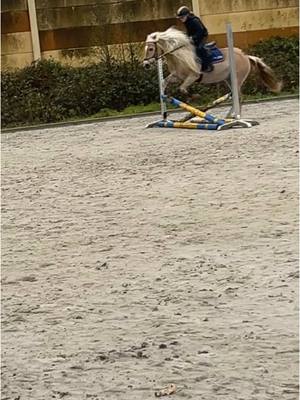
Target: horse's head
(151, 50)
(168, 43)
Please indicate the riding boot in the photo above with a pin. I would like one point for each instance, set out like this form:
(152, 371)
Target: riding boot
(205, 58)
(210, 65)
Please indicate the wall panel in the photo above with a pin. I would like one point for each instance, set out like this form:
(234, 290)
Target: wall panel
(13, 5)
(100, 35)
(15, 61)
(252, 20)
(246, 39)
(86, 55)
(14, 21)
(213, 7)
(99, 14)
(16, 43)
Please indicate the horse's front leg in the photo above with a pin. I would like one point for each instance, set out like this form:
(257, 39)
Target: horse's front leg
(187, 83)
(172, 78)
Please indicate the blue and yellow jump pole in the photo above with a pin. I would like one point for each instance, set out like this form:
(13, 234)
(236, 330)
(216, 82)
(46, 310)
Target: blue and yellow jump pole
(208, 121)
(195, 111)
(186, 125)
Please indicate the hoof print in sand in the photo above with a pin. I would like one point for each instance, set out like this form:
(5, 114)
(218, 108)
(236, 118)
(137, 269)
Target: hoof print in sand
(170, 389)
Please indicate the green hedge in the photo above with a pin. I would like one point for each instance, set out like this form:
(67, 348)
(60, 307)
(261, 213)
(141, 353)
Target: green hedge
(282, 54)
(49, 92)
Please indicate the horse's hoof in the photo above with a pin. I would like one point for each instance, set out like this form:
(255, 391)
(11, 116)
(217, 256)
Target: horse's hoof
(195, 96)
(184, 92)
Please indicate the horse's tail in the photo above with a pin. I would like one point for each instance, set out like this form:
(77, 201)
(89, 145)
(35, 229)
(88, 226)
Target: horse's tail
(266, 74)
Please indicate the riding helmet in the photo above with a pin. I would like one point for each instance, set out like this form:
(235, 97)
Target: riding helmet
(183, 11)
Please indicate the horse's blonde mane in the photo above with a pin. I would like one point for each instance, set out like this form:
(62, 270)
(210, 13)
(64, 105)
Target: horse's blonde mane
(170, 40)
(175, 34)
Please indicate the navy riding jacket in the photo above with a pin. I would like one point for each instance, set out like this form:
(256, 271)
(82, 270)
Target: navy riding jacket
(196, 29)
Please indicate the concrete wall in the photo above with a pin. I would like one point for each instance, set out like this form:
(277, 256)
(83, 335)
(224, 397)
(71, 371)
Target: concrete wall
(76, 31)
(252, 20)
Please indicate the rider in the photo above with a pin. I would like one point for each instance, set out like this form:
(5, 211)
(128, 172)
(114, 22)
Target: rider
(198, 33)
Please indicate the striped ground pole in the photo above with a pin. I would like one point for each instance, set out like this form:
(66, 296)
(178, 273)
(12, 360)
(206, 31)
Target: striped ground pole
(208, 117)
(187, 125)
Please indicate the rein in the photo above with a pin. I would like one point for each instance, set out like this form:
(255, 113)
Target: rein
(164, 54)
(169, 52)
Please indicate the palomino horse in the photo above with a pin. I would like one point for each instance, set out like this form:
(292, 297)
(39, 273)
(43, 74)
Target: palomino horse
(184, 66)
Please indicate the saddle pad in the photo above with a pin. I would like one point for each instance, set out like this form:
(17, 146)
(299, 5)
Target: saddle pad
(216, 54)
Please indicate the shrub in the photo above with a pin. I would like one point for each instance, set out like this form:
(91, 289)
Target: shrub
(282, 54)
(48, 91)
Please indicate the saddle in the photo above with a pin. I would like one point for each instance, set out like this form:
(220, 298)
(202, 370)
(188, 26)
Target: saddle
(215, 53)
